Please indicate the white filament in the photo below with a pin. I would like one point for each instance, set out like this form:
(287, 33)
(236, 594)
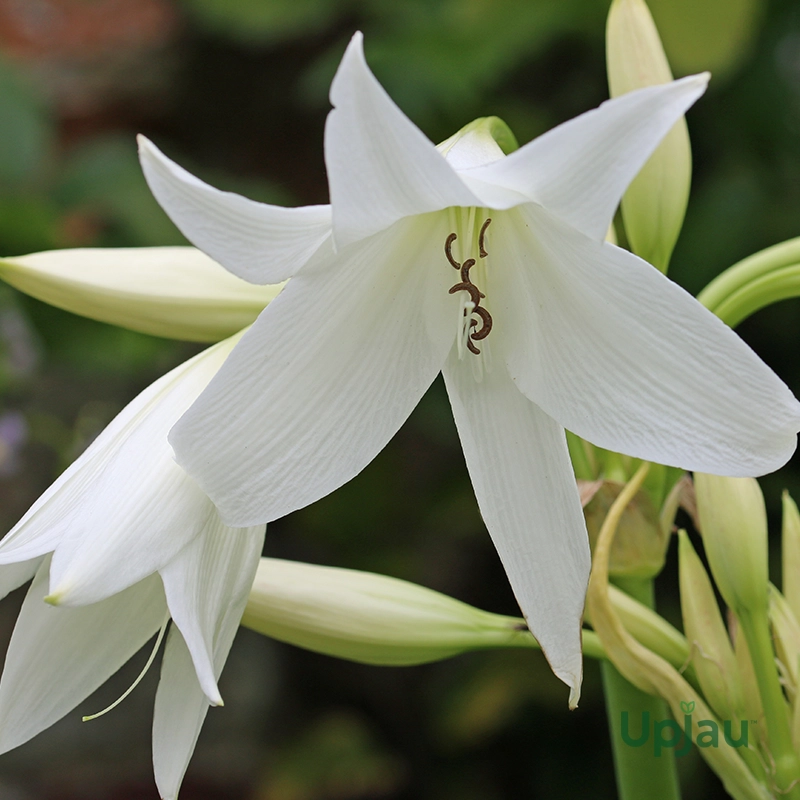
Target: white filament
(138, 680)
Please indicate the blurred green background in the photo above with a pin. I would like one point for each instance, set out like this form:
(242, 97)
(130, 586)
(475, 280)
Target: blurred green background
(236, 91)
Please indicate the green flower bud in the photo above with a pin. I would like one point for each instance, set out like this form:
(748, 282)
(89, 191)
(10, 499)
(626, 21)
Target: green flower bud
(791, 554)
(747, 677)
(370, 618)
(733, 523)
(488, 136)
(786, 636)
(651, 629)
(712, 652)
(177, 292)
(796, 724)
(655, 203)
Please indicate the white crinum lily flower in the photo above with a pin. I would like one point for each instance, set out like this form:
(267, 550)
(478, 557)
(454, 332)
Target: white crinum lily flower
(585, 336)
(121, 542)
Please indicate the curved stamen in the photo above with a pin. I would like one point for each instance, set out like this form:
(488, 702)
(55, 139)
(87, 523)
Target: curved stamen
(486, 319)
(465, 268)
(481, 238)
(448, 245)
(138, 680)
(475, 294)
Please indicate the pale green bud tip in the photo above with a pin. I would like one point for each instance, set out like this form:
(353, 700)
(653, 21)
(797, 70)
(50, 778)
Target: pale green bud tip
(733, 520)
(370, 618)
(480, 142)
(500, 132)
(491, 129)
(634, 53)
(654, 205)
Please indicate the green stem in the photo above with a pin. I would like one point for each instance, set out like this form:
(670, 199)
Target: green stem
(592, 647)
(755, 626)
(757, 281)
(639, 773)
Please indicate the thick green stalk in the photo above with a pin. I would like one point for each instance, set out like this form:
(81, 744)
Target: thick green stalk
(755, 626)
(640, 774)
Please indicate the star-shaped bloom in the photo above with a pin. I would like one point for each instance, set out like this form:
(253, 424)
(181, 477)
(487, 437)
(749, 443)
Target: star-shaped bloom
(536, 323)
(123, 541)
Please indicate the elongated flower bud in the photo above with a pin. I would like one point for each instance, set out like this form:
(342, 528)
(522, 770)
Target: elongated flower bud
(654, 205)
(791, 554)
(177, 292)
(370, 618)
(786, 636)
(711, 648)
(734, 528)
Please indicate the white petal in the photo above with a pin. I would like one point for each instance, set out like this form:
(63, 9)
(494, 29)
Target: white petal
(207, 585)
(59, 656)
(625, 358)
(580, 170)
(322, 381)
(180, 711)
(519, 465)
(43, 525)
(381, 167)
(181, 705)
(124, 508)
(177, 292)
(258, 242)
(12, 576)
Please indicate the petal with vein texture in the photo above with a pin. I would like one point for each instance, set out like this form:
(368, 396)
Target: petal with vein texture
(579, 170)
(43, 526)
(381, 167)
(625, 358)
(520, 468)
(12, 576)
(258, 242)
(59, 656)
(207, 585)
(176, 292)
(181, 707)
(325, 377)
(140, 508)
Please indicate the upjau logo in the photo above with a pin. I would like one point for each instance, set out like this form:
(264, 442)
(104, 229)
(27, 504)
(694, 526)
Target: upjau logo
(667, 733)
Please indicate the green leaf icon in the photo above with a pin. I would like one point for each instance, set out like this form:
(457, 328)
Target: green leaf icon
(687, 708)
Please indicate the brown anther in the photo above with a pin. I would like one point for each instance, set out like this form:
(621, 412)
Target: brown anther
(474, 293)
(481, 237)
(468, 286)
(465, 268)
(449, 252)
(486, 319)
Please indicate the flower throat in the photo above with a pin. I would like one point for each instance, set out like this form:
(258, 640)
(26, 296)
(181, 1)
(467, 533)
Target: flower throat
(473, 306)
